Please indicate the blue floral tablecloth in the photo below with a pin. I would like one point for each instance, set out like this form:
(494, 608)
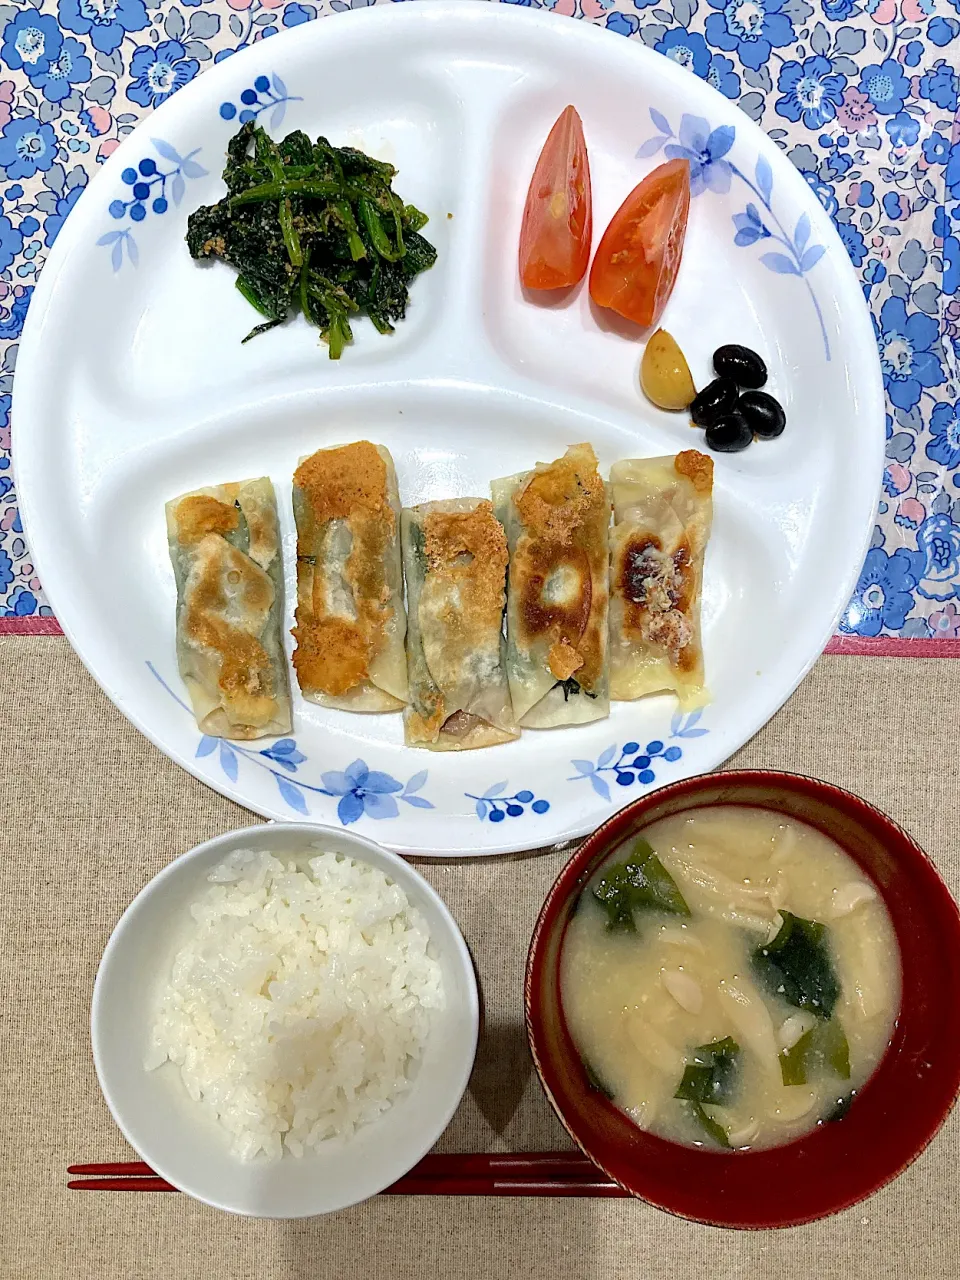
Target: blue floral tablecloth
(861, 94)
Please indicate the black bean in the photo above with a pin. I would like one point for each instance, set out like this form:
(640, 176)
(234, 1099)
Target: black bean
(764, 415)
(729, 435)
(714, 402)
(740, 364)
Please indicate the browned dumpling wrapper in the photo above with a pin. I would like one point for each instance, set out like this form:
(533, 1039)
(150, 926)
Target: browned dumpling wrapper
(557, 520)
(350, 616)
(663, 510)
(455, 560)
(225, 548)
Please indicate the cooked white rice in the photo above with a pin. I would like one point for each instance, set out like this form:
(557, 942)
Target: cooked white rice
(301, 1002)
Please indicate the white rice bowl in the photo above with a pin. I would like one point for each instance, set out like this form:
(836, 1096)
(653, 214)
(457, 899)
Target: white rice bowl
(300, 1004)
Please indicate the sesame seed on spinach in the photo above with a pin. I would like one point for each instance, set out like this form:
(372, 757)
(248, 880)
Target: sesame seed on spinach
(313, 228)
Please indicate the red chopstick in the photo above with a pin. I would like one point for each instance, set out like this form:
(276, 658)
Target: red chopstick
(119, 1184)
(517, 1173)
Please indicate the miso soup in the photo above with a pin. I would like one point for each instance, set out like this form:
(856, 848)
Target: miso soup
(731, 978)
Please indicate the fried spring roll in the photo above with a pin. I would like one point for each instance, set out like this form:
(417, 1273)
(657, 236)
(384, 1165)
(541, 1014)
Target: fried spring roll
(350, 617)
(556, 518)
(662, 514)
(455, 561)
(225, 548)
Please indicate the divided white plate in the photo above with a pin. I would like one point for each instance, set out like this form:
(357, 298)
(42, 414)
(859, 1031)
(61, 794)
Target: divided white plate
(132, 386)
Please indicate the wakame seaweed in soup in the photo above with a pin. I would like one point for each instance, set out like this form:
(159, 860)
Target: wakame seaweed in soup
(729, 978)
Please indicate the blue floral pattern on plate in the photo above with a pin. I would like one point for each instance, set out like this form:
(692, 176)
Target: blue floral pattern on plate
(494, 806)
(861, 95)
(268, 93)
(359, 791)
(632, 763)
(707, 151)
(149, 192)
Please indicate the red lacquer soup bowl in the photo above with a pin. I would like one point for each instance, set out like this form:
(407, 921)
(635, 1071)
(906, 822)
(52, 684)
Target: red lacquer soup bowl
(894, 1115)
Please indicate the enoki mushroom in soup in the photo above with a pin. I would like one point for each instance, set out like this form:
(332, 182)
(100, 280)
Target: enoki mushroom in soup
(731, 978)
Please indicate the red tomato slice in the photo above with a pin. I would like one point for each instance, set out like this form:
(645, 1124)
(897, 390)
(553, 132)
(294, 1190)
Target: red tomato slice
(558, 216)
(636, 263)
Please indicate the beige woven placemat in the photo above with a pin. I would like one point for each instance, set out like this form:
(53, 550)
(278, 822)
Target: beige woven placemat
(92, 811)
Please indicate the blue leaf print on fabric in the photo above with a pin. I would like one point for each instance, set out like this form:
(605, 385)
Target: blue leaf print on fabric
(879, 81)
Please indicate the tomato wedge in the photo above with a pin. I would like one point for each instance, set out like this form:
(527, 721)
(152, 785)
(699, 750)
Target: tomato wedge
(558, 216)
(636, 263)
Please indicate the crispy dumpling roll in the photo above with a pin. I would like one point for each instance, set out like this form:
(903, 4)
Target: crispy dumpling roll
(557, 519)
(350, 618)
(455, 560)
(225, 548)
(662, 510)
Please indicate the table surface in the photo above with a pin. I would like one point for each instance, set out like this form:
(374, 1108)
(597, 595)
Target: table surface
(861, 94)
(93, 811)
(863, 97)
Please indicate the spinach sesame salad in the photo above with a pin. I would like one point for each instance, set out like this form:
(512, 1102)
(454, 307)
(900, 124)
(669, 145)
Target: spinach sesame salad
(313, 228)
